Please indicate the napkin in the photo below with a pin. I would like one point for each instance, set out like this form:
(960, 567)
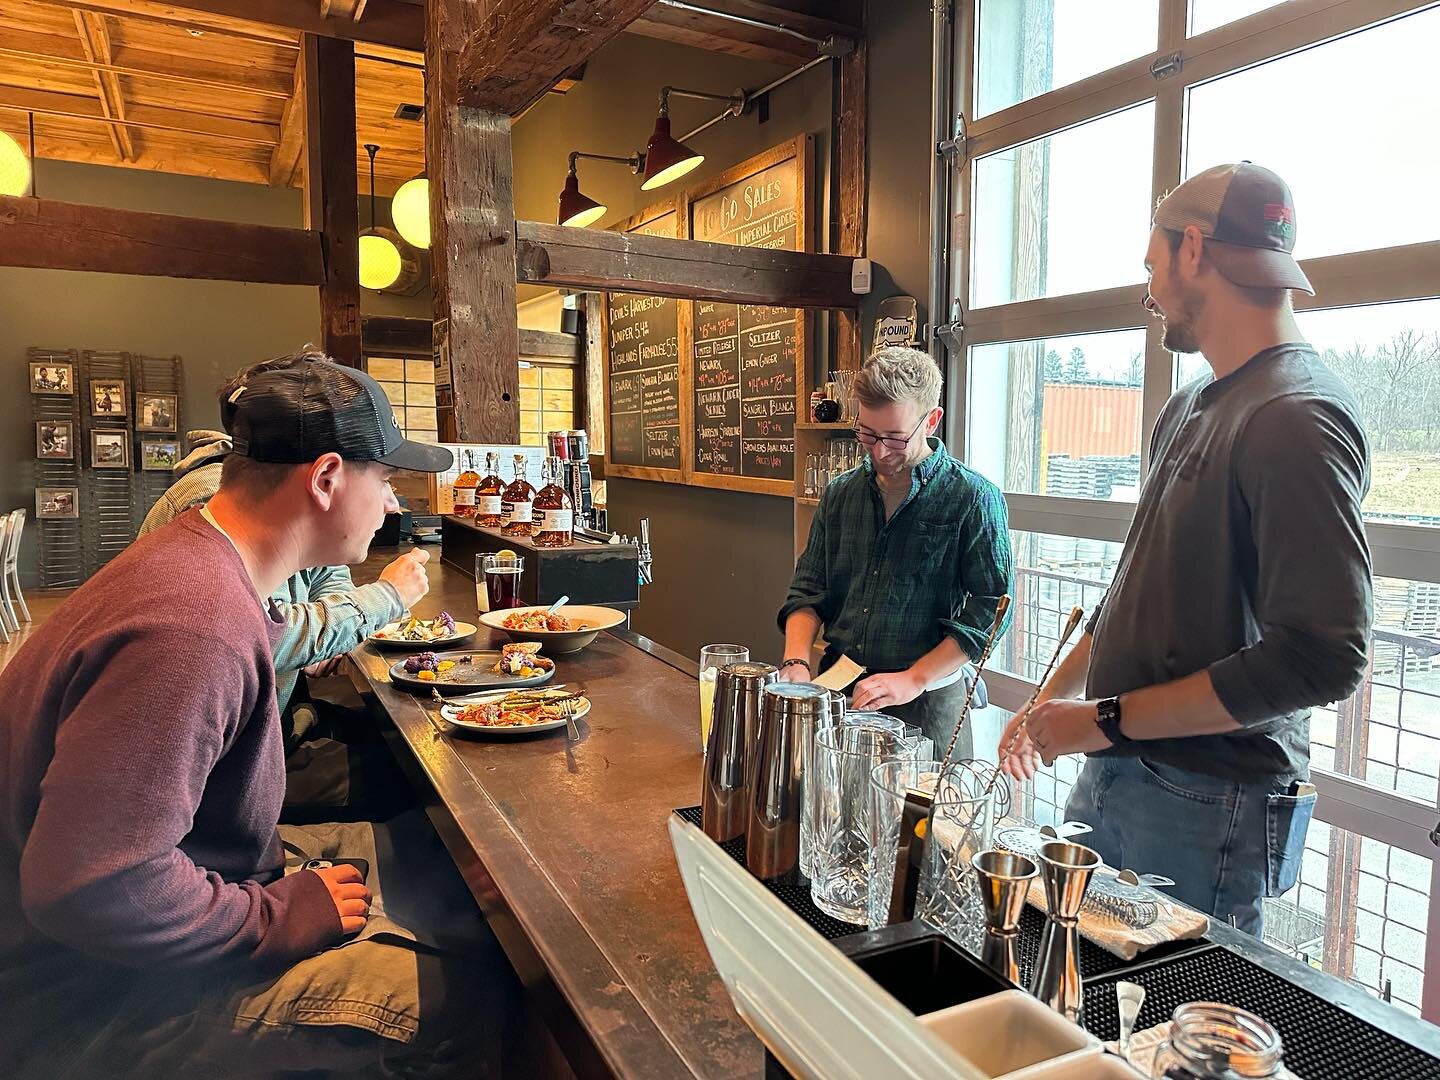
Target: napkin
(1174, 922)
(839, 675)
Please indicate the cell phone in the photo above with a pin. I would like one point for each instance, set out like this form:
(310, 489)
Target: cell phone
(321, 864)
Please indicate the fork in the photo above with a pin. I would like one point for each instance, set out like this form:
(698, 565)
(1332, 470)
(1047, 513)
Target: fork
(568, 710)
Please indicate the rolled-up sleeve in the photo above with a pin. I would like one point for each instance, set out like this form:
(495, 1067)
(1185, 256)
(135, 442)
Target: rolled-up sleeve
(809, 586)
(986, 572)
(1303, 470)
(333, 618)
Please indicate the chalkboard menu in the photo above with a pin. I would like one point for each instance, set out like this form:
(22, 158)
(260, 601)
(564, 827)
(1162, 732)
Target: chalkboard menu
(705, 393)
(642, 343)
(746, 356)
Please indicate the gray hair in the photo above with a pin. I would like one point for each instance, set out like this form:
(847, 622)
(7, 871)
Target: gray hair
(899, 373)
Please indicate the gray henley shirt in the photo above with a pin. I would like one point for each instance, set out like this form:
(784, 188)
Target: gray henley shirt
(1247, 558)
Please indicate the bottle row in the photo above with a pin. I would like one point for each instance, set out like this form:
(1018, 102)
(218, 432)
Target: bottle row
(546, 516)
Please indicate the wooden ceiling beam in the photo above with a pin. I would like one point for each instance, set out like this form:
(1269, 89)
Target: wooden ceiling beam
(386, 22)
(85, 107)
(133, 63)
(51, 235)
(686, 269)
(521, 48)
(712, 31)
(290, 150)
(353, 10)
(95, 41)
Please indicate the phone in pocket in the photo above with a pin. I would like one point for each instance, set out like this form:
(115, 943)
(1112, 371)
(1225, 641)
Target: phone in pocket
(320, 864)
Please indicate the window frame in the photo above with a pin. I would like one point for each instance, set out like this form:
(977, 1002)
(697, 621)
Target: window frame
(1408, 272)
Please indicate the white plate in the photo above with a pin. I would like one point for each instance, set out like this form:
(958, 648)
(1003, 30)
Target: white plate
(593, 618)
(464, 631)
(451, 711)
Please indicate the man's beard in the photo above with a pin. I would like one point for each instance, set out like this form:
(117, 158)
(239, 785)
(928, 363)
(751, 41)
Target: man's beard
(1180, 334)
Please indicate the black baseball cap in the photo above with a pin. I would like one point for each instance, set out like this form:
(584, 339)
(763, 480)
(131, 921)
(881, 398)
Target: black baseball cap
(294, 413)
(1247, 217)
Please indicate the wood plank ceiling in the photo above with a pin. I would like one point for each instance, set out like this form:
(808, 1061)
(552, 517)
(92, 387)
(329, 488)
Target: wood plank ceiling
(163, 86)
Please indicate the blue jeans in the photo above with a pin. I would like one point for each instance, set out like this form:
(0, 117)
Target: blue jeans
(1226, 844)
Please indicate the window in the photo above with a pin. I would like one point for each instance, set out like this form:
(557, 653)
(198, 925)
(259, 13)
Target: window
(547, 400)
(410, 386)
(1064, 376)
(1059, 416)
(1283, 114)
(1064, 214)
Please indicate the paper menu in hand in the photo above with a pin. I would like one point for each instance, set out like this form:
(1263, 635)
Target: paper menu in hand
(840, 675)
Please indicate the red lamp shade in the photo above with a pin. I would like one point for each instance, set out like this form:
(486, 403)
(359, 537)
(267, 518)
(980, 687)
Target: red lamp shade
(665, 158)
(576, 209)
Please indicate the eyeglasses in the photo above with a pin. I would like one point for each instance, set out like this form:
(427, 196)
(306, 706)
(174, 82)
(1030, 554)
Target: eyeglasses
(869, 438)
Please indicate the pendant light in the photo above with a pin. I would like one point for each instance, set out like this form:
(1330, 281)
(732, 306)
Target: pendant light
(666, 158)
(379, 257)
(15, 170)
(410, 210)
(576, 208)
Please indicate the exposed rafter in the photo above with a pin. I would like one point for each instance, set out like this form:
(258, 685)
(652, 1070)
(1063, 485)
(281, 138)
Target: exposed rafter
(95, 40)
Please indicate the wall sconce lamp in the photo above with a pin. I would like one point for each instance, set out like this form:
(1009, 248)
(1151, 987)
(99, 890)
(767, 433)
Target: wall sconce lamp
(576, 208)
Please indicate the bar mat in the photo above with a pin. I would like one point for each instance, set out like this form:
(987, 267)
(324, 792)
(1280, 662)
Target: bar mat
(1322, 1041)
(792, 890)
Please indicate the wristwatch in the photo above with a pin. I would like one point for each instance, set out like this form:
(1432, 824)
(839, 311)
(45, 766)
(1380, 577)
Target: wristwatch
(1107, 719)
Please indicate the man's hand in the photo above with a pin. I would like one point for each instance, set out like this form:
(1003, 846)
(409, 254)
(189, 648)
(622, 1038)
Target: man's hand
(1022, 760)
(878, 691)
(407, 575)
(325, 668)
(348, 893)
(1065, 726)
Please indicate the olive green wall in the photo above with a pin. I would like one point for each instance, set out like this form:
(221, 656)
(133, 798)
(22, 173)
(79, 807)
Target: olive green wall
(217, 327)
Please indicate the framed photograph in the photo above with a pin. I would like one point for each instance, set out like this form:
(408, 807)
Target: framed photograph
(52, 378)
(107, 397)
(55, 440)
(158, 455)
(156, 412)
(109, 449)
(57, 502)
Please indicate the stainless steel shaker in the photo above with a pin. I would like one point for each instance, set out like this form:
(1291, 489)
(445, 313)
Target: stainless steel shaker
(729, 756)
(789, 715)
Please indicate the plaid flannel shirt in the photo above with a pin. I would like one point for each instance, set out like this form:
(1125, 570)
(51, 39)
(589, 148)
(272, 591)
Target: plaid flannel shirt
(890, 591)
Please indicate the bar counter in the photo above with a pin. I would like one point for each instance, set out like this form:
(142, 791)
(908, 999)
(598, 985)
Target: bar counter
(565, 848)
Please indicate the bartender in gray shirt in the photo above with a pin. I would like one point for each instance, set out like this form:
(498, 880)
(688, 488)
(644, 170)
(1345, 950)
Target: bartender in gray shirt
(1243, 595)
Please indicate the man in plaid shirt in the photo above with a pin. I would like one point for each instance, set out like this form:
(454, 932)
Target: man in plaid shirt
(907, 558)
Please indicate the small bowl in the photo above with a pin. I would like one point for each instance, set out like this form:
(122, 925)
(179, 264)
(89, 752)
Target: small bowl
(559, 642)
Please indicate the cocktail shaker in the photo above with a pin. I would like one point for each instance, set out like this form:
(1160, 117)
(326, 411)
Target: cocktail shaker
(729, 756)
(789, 715)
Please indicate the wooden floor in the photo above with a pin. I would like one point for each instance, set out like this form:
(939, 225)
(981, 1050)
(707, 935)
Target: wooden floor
(41, 603)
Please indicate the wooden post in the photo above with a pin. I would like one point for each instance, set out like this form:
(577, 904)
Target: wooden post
(853, 194)
(472, 240)
(331, 205)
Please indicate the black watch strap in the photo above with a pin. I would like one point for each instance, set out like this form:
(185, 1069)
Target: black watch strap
(1107, 719)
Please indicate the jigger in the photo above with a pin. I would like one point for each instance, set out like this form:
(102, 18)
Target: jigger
(1066, 869)
(1004, 881)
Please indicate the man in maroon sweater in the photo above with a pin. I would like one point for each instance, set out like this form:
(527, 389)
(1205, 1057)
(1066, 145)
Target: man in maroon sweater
(142, 884)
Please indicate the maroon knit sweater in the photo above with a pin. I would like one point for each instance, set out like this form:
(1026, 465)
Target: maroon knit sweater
(141, 776)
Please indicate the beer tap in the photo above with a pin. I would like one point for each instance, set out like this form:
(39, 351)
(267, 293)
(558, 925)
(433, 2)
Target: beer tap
(646, 562)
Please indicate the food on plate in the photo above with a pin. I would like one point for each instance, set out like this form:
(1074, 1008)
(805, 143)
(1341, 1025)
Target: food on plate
(537, 619)
(413, 629)
(522, 659)
(424, 661)
(509, 714)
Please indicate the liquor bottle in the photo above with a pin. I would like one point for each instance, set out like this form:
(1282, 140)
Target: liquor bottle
(465, 485)
(554, 517)
(489, 495)
(516, 503)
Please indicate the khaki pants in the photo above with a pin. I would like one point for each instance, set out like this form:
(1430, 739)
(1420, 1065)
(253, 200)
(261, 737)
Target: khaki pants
(424, 990)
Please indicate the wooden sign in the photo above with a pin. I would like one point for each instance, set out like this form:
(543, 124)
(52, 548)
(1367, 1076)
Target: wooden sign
(643, 371)
(748, 358)
(702, 392)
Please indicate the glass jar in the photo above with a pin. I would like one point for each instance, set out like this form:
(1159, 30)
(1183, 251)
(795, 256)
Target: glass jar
(1211, 1041)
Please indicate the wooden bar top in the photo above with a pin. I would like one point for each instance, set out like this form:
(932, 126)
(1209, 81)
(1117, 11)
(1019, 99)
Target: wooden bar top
(565, 848)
